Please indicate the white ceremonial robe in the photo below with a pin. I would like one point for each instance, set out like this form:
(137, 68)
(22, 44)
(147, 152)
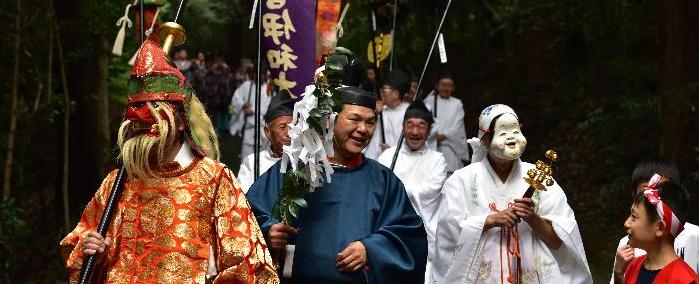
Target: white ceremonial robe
(467, 254)
(423, 173)
(393, 126)
(686, 246)
(246, 174)
(449, 122)
(240, 97)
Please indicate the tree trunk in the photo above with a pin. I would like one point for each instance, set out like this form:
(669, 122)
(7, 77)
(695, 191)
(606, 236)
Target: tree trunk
(89, 93)
(14, 111)
(66, 124)
(86, 63)
(49, 69)
(533, 56)
(95, 107)
(678, 46)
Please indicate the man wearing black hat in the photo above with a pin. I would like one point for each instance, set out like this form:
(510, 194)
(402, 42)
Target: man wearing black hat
(422, 170)
(393, 110)
(360, 227)
(448, 113)
(277, 118)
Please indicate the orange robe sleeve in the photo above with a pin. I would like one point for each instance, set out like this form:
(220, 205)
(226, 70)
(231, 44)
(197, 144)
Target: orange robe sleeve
(89, 220)
(241, 253)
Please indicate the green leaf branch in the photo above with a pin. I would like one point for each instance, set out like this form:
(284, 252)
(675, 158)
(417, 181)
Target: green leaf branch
(295, 185)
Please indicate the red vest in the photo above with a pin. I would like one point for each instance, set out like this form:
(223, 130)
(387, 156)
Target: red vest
(676, 271)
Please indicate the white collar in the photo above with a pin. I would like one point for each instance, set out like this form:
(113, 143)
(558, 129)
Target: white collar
(398, 107)
(510, 176)
(184, 156)
(440, 97)
(419, 152)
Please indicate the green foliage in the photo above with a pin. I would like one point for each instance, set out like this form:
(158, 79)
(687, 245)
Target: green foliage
(119, 73)
(101, 15)
(13, 230)
(291, 196)
(11, 223)
(296, 184)
(210, 24)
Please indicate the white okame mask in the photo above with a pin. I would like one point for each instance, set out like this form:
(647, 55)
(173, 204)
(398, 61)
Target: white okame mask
(508, 141)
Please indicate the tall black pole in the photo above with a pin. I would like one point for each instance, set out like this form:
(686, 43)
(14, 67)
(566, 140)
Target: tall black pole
(89, 261)
(393, 34)
(377, 73)
(419, 82)
(258, 89)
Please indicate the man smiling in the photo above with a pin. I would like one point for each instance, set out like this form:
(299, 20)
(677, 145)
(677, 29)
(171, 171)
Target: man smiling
(359, 228)
(450, 134)
(422, 170)
(277, 118)
(392, 108)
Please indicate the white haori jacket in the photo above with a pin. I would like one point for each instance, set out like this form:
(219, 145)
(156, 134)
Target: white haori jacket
(245, 93)
(423, 173)
(246, 174)
(467, 254)
(450, 122)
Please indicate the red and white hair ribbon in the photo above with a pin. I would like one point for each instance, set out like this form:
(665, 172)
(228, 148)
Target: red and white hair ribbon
(652, 194)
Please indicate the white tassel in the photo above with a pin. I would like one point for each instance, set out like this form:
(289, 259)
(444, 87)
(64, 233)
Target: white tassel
(133, 59)
(119, 41)
(149, 31)
(338, 28)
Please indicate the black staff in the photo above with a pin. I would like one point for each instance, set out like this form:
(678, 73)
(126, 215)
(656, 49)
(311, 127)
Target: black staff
(393, 34)
(174, 35)
(256, 170)
(114, 196)
(377, 73)
(419, 82)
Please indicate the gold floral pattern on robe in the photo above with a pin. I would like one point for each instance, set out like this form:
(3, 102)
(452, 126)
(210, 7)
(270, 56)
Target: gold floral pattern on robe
(163, 229)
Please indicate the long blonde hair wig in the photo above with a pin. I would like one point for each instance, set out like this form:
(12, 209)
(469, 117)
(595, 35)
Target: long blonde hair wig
(142, 154)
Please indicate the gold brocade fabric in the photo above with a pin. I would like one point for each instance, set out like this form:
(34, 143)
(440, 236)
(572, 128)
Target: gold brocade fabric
(163, 230)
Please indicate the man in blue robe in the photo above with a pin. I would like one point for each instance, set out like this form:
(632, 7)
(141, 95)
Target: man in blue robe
(360, 228)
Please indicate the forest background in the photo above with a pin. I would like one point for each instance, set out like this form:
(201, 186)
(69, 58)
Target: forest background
(605, 83)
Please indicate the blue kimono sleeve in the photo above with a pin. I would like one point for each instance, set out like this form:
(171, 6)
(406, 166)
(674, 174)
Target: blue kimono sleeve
(262, 195)
(397, 248)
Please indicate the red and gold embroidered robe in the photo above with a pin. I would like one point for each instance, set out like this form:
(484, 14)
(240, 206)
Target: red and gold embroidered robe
(163, 230)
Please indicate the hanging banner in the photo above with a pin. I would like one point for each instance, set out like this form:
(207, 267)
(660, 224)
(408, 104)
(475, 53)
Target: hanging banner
(288, 42)
(383, 48)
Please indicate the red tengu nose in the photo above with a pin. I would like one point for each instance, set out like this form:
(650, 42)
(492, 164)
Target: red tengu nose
(140, 114)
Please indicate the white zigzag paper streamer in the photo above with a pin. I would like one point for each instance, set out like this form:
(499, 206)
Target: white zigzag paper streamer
(309, 147)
